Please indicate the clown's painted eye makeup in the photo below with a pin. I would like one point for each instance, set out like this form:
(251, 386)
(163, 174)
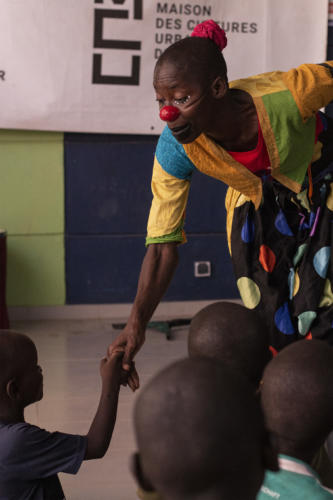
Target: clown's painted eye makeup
(182, 100)
(160, 102)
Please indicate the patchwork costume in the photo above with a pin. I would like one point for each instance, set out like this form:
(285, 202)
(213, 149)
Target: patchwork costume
(279, 212)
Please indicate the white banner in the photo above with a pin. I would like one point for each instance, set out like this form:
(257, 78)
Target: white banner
(87, 65)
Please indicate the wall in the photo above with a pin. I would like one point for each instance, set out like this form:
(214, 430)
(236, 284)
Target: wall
(107, 204)
(32, 212)
(75, 210)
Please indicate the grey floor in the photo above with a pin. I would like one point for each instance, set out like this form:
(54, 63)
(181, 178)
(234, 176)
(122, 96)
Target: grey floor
(69, 353)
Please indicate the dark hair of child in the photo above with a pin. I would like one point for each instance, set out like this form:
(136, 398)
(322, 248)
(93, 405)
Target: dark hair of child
(229, 332)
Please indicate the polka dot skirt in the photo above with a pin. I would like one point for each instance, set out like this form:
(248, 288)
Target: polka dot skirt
(282, 260)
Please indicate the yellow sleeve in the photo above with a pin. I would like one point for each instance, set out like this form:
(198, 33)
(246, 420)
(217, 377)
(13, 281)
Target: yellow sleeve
(233, 200)
(167, 213)
(311, 86)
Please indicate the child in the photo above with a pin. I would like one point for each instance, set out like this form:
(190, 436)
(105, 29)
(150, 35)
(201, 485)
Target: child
(30, 457)
(200, 434)
(297, 399)
(229, 332)
(217, 331)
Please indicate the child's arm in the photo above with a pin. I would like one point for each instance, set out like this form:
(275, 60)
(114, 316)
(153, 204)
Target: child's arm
(100, 432)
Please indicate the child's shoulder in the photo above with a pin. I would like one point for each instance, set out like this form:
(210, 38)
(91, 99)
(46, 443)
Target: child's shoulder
(18, 428)
(13, 435)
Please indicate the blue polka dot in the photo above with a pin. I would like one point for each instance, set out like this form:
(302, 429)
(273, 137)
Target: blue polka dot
(307, 225)
(283, 321)
(321, 261)
(248, 230)
(281, 224)
(291, 282)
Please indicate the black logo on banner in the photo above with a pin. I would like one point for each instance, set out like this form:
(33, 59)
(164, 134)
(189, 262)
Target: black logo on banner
(2, 75)
(101, 43)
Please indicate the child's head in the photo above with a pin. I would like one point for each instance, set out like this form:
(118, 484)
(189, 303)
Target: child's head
(199, 429)
(21, 379)
(231, 333)
(297, 398)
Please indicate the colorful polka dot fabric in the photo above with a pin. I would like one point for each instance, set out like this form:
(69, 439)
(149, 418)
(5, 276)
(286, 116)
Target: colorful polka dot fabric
(282, 256)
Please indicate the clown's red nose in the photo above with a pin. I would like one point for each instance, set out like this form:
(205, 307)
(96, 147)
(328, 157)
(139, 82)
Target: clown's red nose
(169, 113)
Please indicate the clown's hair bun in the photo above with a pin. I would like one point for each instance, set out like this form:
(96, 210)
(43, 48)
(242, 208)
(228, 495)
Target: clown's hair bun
(210, 29)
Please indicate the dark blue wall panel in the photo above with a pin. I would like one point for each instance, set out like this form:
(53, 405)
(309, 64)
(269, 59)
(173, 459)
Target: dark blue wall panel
(108, 188)
(330, 43)
(205, 210)
(105, 269)
(102, 269)
(221, 283)
(108, 196)
(107, 184)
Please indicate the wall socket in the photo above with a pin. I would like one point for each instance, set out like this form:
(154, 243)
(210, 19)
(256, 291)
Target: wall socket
(202, 269)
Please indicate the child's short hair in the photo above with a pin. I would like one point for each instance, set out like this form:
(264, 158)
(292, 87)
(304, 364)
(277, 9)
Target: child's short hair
(197, 423)
(13, 349)
(229, 332)
(297, 396)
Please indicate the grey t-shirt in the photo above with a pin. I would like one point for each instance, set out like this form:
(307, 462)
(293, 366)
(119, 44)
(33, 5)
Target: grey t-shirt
(30, 459)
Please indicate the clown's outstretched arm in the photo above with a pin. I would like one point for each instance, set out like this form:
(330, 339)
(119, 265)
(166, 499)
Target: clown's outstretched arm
(157, 269)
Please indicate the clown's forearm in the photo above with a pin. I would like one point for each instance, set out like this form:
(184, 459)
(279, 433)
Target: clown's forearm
(157, 270)
(156, 273)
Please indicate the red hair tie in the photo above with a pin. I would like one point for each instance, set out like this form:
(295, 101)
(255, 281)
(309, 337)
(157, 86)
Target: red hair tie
(210, 29)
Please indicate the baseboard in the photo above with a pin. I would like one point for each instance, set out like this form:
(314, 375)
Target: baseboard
(182, 309)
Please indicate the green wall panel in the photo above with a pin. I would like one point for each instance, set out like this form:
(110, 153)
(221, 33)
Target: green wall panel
(35, 270)
(32, 182)
(32, 213)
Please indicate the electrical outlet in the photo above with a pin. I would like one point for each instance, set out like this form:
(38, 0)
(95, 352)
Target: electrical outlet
(202, 269)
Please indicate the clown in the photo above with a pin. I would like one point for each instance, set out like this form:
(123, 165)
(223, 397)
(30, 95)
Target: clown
(266, 139)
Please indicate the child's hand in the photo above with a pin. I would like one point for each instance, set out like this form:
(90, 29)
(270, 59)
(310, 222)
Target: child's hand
(110, 367)
(130, 378)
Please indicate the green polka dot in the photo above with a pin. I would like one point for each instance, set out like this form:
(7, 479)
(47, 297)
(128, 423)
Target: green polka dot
(304, 200)
(305, 321)
(327, 297)
(299, 254)
(249, 292)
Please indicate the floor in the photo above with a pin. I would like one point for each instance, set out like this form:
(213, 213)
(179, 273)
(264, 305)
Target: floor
(69, 353)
